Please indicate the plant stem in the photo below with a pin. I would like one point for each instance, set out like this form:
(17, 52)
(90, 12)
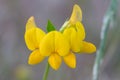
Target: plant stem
(45, 76)
(109, 16)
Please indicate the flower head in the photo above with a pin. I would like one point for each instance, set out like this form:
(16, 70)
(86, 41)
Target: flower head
(75, 33)
(45, 45)
(52, 46)
(33, 37)
(58, 45)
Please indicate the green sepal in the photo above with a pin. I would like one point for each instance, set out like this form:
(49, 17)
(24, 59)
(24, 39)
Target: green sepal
(50, 26)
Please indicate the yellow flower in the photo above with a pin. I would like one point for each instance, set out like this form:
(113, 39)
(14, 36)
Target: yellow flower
(52, 44)
(75, 33)
(33, 37)
(56, 45)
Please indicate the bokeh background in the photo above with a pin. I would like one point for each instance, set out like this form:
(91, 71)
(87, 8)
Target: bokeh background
(14, 53)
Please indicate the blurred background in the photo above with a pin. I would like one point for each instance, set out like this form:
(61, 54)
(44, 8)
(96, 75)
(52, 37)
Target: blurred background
(14, 53)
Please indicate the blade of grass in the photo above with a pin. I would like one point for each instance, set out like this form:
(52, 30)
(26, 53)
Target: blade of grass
(109, 16)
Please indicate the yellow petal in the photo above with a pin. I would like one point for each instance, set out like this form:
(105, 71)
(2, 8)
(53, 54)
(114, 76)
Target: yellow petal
(88, 47)
(33, 34)
(76, 14)
(61, 44)
(35, 57)
(55, 61)
(33, 38)
(30, 23)
(54, 42)
(70, 60)
(74, 39)
(80, 30)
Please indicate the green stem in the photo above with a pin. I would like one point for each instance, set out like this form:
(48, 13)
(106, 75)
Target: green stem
(45, 76)
(64, 26)
(110, 15)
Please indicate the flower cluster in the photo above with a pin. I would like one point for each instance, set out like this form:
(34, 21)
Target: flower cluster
(58, 45)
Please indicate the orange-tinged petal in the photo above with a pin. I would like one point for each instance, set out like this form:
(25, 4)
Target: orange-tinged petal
(76, 14)
(35, 57)
(55, 61)
(88, 47)
(33, 38)
(54, 42)
(70, 60)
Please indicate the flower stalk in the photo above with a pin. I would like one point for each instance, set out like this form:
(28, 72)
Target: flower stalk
(108, 18)
(45, 76)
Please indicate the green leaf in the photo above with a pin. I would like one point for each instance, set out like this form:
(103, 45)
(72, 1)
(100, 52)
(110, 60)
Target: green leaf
(50, 26)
